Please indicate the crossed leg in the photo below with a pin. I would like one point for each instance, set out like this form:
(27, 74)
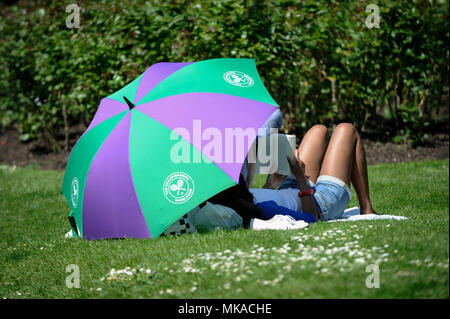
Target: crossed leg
(344, 158)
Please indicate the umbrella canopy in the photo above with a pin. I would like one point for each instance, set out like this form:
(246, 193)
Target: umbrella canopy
(125, 176)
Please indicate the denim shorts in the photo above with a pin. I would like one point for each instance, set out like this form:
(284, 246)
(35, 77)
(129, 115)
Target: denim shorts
(331, 195)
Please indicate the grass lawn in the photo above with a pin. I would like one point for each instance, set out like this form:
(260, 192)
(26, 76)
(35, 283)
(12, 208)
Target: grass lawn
(325, 260)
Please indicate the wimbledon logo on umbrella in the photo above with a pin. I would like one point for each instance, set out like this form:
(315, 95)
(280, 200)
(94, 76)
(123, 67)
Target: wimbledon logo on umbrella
(74, 192)
(238, 78)
(178, 188)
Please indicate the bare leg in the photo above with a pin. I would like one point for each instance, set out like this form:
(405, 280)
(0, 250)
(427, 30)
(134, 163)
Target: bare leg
(345, 159)
(360, 178)
(312, 151)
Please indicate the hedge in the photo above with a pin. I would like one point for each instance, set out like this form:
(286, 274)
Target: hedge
(318, 59)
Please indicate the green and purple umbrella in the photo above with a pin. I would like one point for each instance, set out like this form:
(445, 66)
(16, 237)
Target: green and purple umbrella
(124, 176)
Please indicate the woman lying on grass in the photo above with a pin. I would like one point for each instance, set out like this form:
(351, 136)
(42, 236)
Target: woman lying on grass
(332, 167)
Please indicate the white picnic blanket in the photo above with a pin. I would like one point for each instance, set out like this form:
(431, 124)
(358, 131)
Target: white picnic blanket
(353, 214)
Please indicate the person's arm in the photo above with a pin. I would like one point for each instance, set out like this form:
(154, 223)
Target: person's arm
(274, 180)
(297, 168)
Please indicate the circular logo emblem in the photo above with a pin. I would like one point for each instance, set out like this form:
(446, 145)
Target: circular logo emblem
(178, 188)
(74, 192)
(238, 78)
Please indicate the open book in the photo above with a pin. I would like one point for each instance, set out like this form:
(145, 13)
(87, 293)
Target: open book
(271, 152)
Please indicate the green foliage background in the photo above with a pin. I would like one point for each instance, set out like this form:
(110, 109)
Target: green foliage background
(317, 58)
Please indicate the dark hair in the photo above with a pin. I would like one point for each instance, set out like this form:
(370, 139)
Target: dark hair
(239, 198)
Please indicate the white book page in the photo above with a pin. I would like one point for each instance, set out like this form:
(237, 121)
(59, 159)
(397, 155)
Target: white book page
(272, 152)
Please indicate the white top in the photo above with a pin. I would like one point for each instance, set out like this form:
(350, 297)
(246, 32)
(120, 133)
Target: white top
(283, 197)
